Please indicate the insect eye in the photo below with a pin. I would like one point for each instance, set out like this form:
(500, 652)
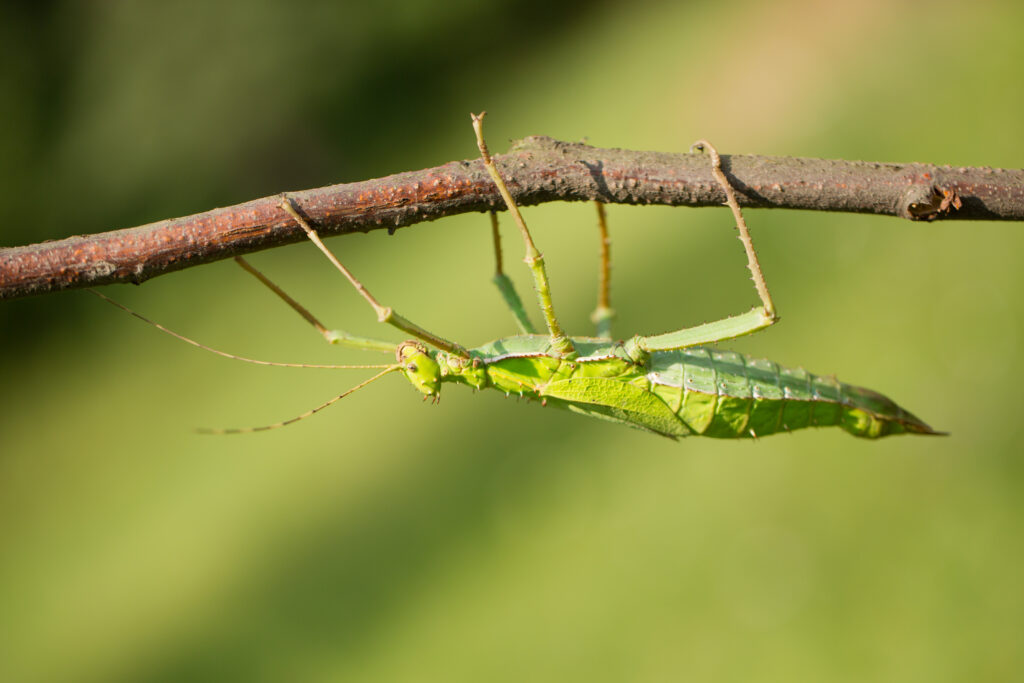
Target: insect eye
(411, 367)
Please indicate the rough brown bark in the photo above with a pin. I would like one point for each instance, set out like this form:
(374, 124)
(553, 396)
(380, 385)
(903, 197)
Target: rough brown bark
(537, 170)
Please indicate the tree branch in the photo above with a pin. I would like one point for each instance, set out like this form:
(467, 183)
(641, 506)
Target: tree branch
(538, 170)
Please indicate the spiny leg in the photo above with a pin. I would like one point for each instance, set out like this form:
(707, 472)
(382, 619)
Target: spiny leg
(604, 313)
(505, 286)
(385, 314)
(561, 345)
(339, 337)
(736, 326)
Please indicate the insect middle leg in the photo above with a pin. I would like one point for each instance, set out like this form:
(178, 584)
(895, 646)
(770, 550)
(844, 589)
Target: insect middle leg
(561, 345)
(753, 320)
(505, 286)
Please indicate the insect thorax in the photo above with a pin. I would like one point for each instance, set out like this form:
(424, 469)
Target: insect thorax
(464, 370)
(527, 371)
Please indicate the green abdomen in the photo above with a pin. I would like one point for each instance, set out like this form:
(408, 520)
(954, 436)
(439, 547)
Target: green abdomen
(727, 394)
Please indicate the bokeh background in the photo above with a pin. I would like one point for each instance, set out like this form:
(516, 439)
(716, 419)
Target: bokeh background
(485, 539)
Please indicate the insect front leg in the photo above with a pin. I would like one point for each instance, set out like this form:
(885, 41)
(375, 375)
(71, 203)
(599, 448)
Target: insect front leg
(736, 326)
(338, 337)
(385, 314)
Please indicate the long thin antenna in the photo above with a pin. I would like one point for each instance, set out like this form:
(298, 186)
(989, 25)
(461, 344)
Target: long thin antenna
(231, 355)
(308, 413)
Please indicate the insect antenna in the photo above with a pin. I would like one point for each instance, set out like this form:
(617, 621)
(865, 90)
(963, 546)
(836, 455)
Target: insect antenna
(303, 416)
(225, 353)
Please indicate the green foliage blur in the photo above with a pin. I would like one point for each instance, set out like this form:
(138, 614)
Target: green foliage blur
(485, 539)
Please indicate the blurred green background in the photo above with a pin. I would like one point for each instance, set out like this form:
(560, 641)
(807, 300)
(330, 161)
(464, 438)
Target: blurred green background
(485, 539)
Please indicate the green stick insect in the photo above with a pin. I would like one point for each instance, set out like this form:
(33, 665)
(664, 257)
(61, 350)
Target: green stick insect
(669, 384)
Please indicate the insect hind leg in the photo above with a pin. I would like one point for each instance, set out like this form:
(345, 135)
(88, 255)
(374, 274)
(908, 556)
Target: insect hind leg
(756, 319)
(604, 313)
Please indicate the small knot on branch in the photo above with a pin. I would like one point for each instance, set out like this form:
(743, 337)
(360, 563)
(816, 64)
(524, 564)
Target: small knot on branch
(928, 202)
